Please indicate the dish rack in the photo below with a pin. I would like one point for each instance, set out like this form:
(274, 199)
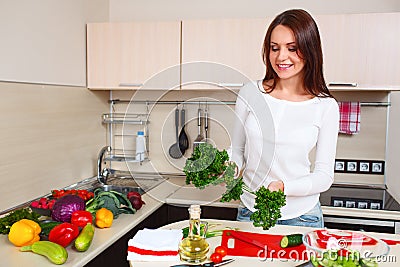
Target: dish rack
(121, 131)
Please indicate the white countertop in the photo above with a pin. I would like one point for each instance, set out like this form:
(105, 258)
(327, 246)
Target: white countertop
(253, 261)
(172, 191)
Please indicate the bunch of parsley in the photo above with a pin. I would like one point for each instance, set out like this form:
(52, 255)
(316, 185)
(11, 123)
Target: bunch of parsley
(209, 166)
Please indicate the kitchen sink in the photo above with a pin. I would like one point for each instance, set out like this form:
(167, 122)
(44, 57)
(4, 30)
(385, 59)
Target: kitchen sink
(120, 189)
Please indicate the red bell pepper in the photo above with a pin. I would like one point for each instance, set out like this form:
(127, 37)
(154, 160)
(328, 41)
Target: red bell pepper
(81, 217)
(63, 234)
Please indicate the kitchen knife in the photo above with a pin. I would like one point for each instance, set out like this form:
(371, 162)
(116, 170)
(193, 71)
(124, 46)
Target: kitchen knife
(207, 264)
(305, 264)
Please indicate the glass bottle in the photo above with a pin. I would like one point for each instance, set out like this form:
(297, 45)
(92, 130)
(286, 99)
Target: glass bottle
(194, 247)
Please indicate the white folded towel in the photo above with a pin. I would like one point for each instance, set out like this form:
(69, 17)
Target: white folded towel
(155, 245)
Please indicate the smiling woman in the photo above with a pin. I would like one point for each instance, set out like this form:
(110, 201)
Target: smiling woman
(304, 116)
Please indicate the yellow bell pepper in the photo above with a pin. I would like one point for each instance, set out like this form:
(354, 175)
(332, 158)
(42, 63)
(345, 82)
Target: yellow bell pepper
(24, 233)
(104, 218)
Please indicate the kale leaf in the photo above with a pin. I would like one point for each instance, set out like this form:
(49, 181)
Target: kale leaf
(209, 166)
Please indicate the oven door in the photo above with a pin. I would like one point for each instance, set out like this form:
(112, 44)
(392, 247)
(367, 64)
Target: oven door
(361, 224)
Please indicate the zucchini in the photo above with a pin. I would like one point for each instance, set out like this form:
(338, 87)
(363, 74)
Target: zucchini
(83, 241)
(56, 253)
(291, 240)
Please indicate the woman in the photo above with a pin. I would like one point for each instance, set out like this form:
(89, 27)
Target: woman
(271, 145)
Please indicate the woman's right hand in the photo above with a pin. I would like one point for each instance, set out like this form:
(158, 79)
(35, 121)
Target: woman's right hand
(276, 186)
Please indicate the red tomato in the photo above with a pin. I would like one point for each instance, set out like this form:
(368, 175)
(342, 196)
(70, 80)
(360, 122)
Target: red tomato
(216, 257)
(222, 250)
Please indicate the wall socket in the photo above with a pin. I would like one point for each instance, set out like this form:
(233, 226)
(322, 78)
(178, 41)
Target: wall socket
(360, 166)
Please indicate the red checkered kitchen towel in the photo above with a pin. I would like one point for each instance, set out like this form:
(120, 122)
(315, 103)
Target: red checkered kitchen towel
(349, 122)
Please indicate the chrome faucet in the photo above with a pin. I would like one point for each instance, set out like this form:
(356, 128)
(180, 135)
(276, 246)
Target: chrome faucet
(102, 174)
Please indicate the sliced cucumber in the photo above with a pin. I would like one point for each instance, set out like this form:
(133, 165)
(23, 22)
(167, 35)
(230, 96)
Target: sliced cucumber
(291, 240)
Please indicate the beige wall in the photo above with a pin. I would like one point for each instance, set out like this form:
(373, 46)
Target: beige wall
(127, 10)
(45, 41)
(49, 138)
(50, 135)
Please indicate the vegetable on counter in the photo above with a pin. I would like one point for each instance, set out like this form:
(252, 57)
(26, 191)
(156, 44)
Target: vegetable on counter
(64, 234)
(84, 194)
(47, 226)
(291, 240)
(104, 218)
(114, 201)
(209, 166)
(56, 253)
(342, 258)
(210, 232)
(65, 206)
(43, 203)
(81, 218)
(7, 221)
(24, 232)
(136, 199)
(83, 241)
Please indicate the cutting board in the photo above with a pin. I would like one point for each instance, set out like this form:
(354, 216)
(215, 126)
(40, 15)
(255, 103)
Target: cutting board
(238, 247)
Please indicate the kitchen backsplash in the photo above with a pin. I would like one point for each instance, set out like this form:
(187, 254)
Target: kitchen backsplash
(368, 144)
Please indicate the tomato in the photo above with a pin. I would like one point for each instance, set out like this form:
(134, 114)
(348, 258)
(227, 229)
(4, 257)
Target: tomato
(222, 250)
(216, 257)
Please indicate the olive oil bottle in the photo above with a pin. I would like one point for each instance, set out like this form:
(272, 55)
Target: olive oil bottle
(194, 247)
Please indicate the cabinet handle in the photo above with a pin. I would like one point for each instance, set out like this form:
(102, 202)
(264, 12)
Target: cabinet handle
(230, 84)
(342, 84)
(131, 84)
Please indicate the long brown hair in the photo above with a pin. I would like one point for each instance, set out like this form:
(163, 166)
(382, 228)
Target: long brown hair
(308, 43)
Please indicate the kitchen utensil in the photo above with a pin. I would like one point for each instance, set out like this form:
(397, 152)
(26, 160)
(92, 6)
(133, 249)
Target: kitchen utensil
(246, 239)
(207, 264)
(306, 264)
(199, 138)
(206, 123)
(254, 244)
(174, 150)
(183, 138)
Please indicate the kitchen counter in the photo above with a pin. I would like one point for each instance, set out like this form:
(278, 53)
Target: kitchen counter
(278, 229)
(11, 256)
(172, 191)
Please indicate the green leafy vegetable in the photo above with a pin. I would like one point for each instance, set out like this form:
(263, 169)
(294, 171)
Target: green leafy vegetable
(209, 166)
(116, 202)
(268, 207)
(7, 221)
(210, 233)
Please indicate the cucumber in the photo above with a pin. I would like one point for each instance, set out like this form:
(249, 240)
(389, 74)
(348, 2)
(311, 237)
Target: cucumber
(56, 253)
(291, 240)
(46, 227)
(83, 241)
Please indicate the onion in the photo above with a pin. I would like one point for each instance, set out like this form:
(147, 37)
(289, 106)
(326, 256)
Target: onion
(136, 202)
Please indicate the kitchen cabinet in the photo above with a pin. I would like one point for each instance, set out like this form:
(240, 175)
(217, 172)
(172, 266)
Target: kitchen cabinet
(129, 55)
(115, 255)
(229, 51)
(361, 48)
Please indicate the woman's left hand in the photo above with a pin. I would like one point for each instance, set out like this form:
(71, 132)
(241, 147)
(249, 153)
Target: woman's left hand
(276, 186)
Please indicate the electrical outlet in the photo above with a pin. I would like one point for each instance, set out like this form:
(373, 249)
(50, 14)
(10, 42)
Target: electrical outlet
(360, 166)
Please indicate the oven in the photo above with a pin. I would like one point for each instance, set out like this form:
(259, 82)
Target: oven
(360, 196)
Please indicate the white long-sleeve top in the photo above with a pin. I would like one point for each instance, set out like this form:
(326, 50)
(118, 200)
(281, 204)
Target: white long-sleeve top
(272, 140)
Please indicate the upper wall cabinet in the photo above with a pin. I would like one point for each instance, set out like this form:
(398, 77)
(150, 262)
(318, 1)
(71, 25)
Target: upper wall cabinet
(361, 49)
(224, 53)
(133, 55)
